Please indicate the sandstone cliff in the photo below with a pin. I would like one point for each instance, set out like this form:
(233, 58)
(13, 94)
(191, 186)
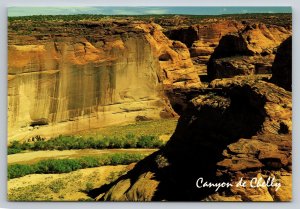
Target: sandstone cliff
(203, 38)
(236, 128)
(80, 75)
(250, 51)
(260, 38)
(65, 83)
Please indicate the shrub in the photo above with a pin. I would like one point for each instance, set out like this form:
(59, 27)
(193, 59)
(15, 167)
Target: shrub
(16, 171)
(149, 142)
(58, 166)
(130, 141)
(40, 145)
(56, 186)
(72, 142)
(102, 143)
(115, 142)
(11, 151)
(89, 162)
(89, 186)
(16, 147)
(68, 165)
(124, 158)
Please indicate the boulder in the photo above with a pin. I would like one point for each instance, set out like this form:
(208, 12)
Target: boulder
(225, 132)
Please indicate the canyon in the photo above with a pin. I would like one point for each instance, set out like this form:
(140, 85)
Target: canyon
(66, 84)
(227, 78)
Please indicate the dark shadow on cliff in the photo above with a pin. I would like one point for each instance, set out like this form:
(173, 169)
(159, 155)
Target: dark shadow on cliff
(203, 131)
(282, 66)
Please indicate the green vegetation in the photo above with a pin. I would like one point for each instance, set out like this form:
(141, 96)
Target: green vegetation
(143, 134)
(17, 170)
(57, 17)
(33, 193)
(87, 24)
(68, 165)
(154, 128)
(72, 186)
(56, 185)
(88, 186)
(95, 17)
(73, 142)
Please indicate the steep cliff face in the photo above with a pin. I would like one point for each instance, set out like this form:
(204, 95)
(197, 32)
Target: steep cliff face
(203, 38)
(177, 69)
(250, 51)
(203, 41)
(68, 83)
(236, 128)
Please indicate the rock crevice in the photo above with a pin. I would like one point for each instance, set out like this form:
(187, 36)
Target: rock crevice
(221, 136)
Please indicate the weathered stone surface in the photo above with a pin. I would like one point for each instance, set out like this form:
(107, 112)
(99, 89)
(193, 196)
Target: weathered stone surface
(276, 106)
(246, 52)
(142, 190)
(284, 193)
(282, 66)
(200, 48)
(120, 70)
(219, 198)
(222, 135)
(261, 38)
(253, 153)
(246, 146)
(201, 39)
(176, 67)
(239, 164)
(249, 193)
(71, 83)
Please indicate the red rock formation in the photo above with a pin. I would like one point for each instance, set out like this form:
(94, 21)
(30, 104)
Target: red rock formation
(203, 38)
(81, 79)
(236, 128)
(250, 51)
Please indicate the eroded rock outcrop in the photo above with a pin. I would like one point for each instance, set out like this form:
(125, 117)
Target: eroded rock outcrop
(69, 82)
(236, 128)
(201, 39)
(282, 66)
(250, 51)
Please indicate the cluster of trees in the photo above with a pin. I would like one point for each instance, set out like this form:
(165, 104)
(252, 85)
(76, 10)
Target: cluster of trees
(73, 142)
(68, 165)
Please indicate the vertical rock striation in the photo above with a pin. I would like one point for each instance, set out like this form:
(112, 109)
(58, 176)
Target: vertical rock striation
(249, 51)
(68, 83)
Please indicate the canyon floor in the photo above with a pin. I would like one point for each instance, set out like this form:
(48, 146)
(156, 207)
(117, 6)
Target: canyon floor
(74, 186)
(188, 96)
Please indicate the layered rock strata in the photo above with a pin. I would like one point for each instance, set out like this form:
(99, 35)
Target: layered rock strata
(236, 128)
(66, 83)
(202, 40)
(250, 51)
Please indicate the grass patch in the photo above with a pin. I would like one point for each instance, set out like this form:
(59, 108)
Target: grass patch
(54, 166)
(56, 186)
(146, 128)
